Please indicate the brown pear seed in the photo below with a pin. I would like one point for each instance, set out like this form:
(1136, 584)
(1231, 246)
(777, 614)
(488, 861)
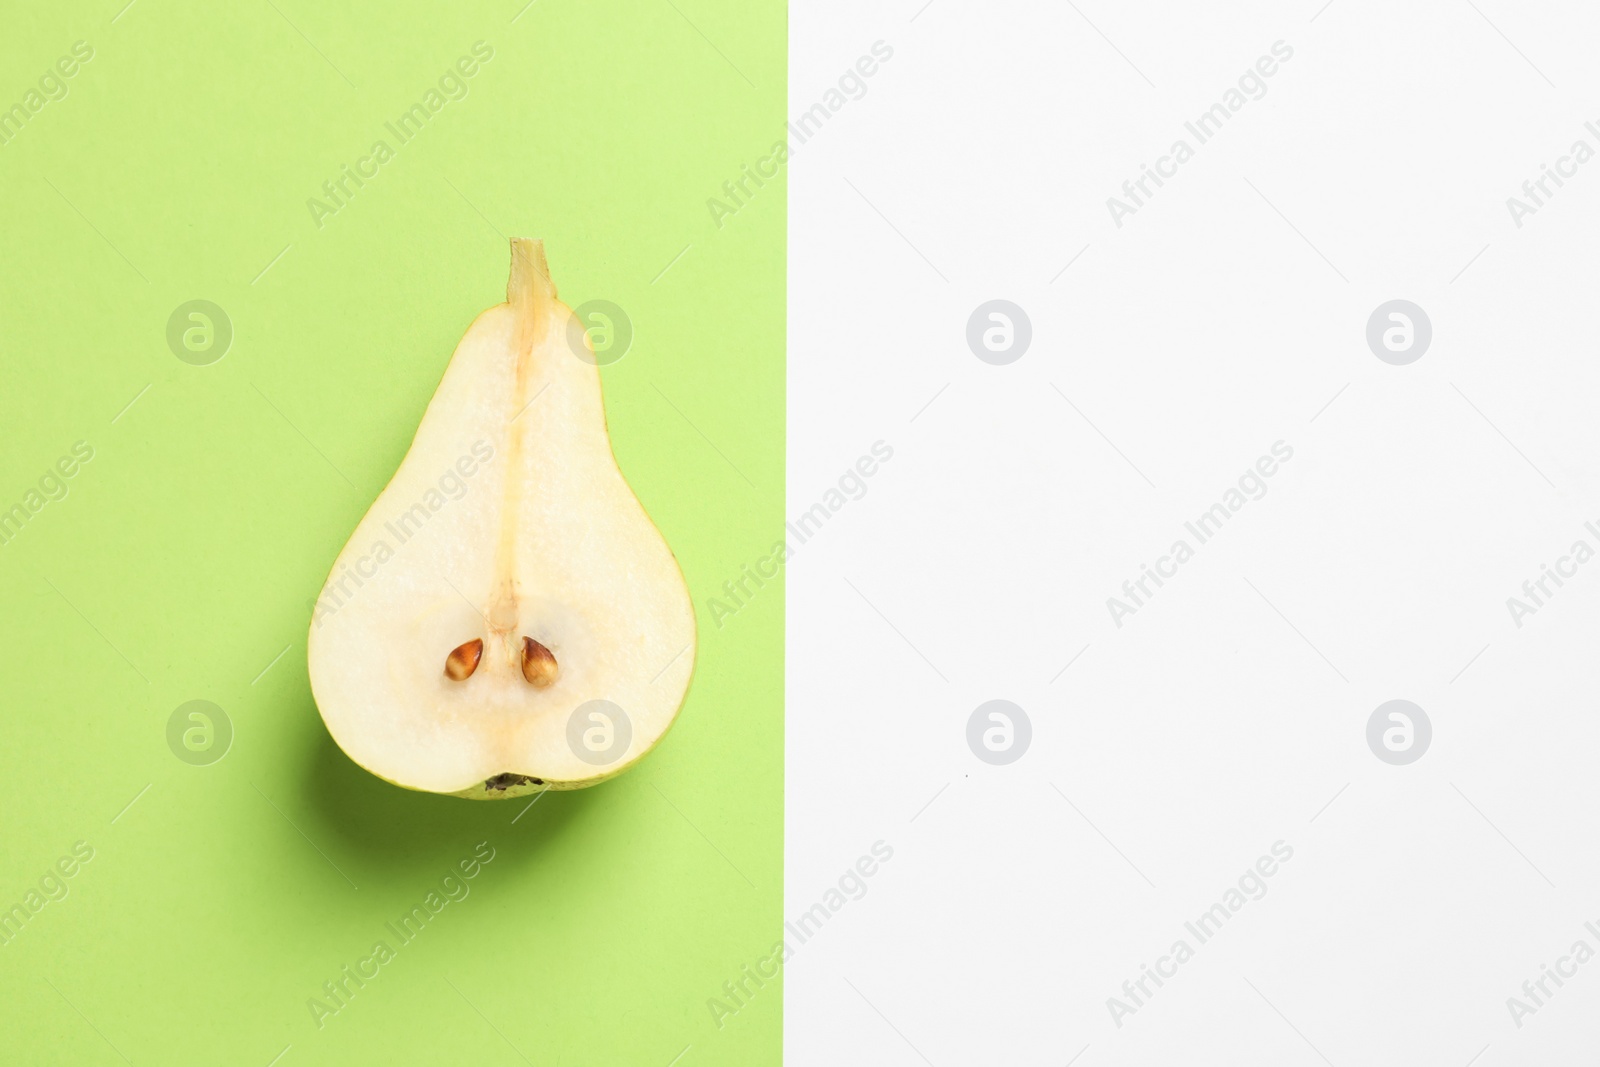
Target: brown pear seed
(463, 660)
(538, 665)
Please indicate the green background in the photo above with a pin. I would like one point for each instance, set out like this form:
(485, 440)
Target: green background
(186, 554)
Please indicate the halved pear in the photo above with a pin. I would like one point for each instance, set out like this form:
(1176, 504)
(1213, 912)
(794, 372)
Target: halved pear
(505, 618)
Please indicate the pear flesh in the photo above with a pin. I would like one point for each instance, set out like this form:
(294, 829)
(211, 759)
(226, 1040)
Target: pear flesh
(505, 618)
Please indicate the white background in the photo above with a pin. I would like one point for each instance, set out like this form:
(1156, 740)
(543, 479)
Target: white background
(1230, 712)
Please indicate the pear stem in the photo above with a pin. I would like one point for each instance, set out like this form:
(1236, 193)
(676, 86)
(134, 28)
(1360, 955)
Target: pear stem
(529, 290)
(532, 296)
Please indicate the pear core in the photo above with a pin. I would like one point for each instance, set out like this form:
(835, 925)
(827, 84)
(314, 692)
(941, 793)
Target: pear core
(505, 619)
